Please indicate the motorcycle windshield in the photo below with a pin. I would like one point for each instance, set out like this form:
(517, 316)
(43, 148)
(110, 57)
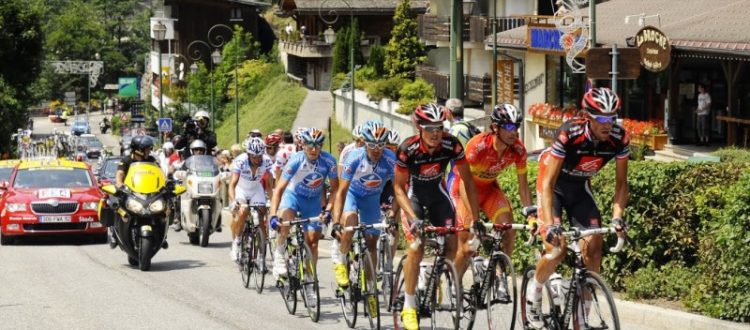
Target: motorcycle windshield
(202, 165)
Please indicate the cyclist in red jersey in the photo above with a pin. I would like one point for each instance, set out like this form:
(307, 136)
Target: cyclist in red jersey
(488, 154)
(582, 147)
(421, 161)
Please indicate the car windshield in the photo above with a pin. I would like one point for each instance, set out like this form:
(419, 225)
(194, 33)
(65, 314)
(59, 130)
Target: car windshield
(110, 168)
(203, 165)
(93, 142)
(5, 173)
(52, 178)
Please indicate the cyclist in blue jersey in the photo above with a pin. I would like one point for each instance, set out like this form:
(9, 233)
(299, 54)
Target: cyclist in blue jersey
(365, 173)
(301, 189)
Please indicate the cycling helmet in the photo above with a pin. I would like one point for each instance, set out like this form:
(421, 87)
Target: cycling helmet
(273, 140)
(201, 114)
(373, 125)
(140, 143)
(299, 132)
(357, 131)
(167, 146)
(375, 133)
(601, 101)
(255, 147)
(429, 113)
(312, 135)
(199, 144)
(506, 113)
(393, 137)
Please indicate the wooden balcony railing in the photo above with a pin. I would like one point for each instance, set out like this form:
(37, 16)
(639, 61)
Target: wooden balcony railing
(312, 46)
(476, 89)
(475, 28)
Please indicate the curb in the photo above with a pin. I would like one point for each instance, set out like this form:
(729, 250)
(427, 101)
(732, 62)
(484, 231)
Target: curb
(655, 317)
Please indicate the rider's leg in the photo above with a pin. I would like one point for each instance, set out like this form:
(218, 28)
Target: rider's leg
(345, 238)
(312, 237)
(238, 223)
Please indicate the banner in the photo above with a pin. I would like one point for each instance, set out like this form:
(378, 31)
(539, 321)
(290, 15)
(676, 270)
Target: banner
(128, 87)
(505, 81)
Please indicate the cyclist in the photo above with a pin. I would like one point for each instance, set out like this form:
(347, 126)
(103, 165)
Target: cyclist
(357, 143)
(246, 187)
(488, 154)
(421, 161)
(272, 142)
(366, 172)
(286, 150)
(582, 147)
(300, 189)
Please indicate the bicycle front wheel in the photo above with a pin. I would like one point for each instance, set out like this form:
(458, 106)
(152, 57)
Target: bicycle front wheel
(347, 295)
(550, 311)
(596, 307)
(246, 257)
(500, 294)
(258, 260)
(369, 285)
(309, 280)
(447, 298)
(385, 272)
(288, 286)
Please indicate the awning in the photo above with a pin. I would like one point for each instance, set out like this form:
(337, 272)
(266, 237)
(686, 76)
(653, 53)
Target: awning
(111, 87)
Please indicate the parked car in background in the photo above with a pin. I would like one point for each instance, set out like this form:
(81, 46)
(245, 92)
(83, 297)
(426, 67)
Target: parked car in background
(50, 197)
(94, 147)
(80, 126)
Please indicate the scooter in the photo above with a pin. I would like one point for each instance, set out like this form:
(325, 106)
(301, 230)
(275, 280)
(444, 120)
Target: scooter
(200, 207)
(138, 212)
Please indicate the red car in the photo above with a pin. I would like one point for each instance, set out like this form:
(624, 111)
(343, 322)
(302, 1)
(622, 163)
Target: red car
(50, 197)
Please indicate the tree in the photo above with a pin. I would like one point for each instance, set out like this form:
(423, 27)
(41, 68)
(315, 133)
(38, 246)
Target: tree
(377, 60)
(341, 52)
(404, 50)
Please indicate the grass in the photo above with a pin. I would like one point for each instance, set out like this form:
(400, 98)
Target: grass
(338, 133)
(276, 106)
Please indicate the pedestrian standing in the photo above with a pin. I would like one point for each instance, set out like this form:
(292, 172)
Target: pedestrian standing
(703, 111)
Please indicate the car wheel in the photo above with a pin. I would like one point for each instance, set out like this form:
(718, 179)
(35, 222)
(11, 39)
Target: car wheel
(5, 240)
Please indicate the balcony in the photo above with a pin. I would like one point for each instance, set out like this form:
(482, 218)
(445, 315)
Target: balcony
(316, 47)
(476, 89)
(433, 28)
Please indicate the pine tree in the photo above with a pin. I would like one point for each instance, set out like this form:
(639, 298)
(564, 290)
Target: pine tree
(355, 40)
(404, 50)
(341, 52)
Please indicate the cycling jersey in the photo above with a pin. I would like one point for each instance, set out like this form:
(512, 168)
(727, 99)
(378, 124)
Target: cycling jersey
(282, 156)
(583, 155)
(250, 181)
(306, 178)
(367, 183)
(426, 172)
(345, 152)
(486, 164)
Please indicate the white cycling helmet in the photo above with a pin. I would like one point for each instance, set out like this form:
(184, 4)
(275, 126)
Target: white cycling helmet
(255, 146)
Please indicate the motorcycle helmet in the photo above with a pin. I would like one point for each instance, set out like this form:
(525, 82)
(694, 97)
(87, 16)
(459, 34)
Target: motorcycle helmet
(601, 102)
(198, 144)
(505, 113)
(167, 146)
(140, 144)
(255, 147)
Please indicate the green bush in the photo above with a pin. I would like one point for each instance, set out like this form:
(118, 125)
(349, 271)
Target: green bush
(337, 81)
(385, 88)
(733, 154)
(414, 94)
(376, 61)
(672, 281)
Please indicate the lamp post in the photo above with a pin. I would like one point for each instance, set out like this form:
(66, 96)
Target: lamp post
(214, 43)
(193, 70)
(88, 85)
(160, 32)
(458, 10)
(330, 38)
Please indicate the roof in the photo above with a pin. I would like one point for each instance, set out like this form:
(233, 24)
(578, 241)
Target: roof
(689, 24)
(9, 162)
(355, 5)
(51, 163)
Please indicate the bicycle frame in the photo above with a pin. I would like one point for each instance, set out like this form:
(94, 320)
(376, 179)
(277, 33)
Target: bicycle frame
(439, 263)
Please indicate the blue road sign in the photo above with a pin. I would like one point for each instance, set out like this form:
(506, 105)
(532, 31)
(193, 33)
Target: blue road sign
(165, 124)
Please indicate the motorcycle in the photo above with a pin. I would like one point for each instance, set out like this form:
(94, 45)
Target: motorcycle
(138, 212)
(201, 206)
(103, 127)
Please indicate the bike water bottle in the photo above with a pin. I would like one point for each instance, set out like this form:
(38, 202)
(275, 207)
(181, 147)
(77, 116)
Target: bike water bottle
(555, 285)
(254, 215)
(424, 270)
(479, 267)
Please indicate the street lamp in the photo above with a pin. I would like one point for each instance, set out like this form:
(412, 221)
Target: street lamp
(88, 84)
(193, 70)
(160, 33)
(330, 38)
(214, 43)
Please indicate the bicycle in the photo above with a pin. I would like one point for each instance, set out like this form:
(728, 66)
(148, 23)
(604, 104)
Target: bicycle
(301, 272)
(562, 300)
(494, 282)
(362, 278)
(385, 260)
(253, 250)
(441, 279)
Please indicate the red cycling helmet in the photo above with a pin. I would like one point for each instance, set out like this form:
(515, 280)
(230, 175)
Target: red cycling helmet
(429, 114)
(272, 140)
(601, 102)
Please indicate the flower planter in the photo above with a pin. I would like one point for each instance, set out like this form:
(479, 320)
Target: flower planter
(653, 141)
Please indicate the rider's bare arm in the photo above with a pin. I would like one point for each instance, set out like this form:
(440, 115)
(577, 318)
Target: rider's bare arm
(334, 187)
(119, 178)
(523, 189)
(470, 188)
(621, 188)
(232, 184)
(400, 180)
(340, 200)
(552, 171)
(277, 192)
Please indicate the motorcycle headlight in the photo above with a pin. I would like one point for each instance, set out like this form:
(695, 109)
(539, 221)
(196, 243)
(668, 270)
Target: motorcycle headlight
(16, 207)
(91, 205)
(205, 188)
(157, 206)
(134, 206)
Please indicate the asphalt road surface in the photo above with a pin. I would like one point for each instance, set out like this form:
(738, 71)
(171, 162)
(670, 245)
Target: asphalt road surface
(63, 283)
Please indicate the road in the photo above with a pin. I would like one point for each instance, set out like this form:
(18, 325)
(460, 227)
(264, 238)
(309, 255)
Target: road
(65, 284)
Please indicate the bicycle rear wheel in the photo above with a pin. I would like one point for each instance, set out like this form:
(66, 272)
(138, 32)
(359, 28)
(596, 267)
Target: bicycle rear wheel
(501, 294)
(447, 298)
(550, 312)
(258, 260)
(309, 281)
(245, 257)
(601, 312)
(347, 295)
(369, 289)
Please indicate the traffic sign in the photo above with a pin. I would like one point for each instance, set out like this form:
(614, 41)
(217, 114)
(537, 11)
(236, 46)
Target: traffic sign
(599, 63)
(70, 98)
(165, 124)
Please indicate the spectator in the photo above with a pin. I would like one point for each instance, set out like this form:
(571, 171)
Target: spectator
(235, 150)
(703, 111)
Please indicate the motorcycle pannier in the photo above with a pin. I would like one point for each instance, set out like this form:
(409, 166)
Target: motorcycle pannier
(107, 216)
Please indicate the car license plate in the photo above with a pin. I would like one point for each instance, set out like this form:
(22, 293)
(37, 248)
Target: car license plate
(54, 193)
(54, 218)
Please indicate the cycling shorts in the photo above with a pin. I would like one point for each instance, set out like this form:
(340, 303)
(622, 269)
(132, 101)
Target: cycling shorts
(575, 197)
(306, 207)
(368, 209)
(253, 197)
(438, 204)
(492, 201)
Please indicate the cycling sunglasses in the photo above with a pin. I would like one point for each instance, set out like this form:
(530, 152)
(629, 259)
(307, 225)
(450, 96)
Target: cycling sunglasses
(433, 128)
(604, 119)
(509, 127)
(375, 145)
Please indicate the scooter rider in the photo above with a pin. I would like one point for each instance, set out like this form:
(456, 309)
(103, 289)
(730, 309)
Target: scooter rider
(247, 186)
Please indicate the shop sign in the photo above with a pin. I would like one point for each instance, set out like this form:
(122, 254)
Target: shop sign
(599, 63)
(544, 38)
(656, 52)
(534, 83)
(505, 81)
(547, 133)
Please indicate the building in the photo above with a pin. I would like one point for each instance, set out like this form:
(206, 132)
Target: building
(306, 54)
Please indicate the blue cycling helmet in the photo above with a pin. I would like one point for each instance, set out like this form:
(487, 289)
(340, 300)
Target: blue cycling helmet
(375, 133)
(393, 137)
(255, 146)
(312, 136)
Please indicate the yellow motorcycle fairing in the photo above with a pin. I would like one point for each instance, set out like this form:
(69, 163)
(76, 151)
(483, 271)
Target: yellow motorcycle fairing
(145, 178)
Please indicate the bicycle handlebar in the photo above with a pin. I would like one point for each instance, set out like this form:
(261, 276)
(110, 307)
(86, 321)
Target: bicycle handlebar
(441, 231)
(298, 221)
(577, 234)
(363, 227)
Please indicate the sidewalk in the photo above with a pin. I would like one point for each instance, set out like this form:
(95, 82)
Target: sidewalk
(315, 110)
